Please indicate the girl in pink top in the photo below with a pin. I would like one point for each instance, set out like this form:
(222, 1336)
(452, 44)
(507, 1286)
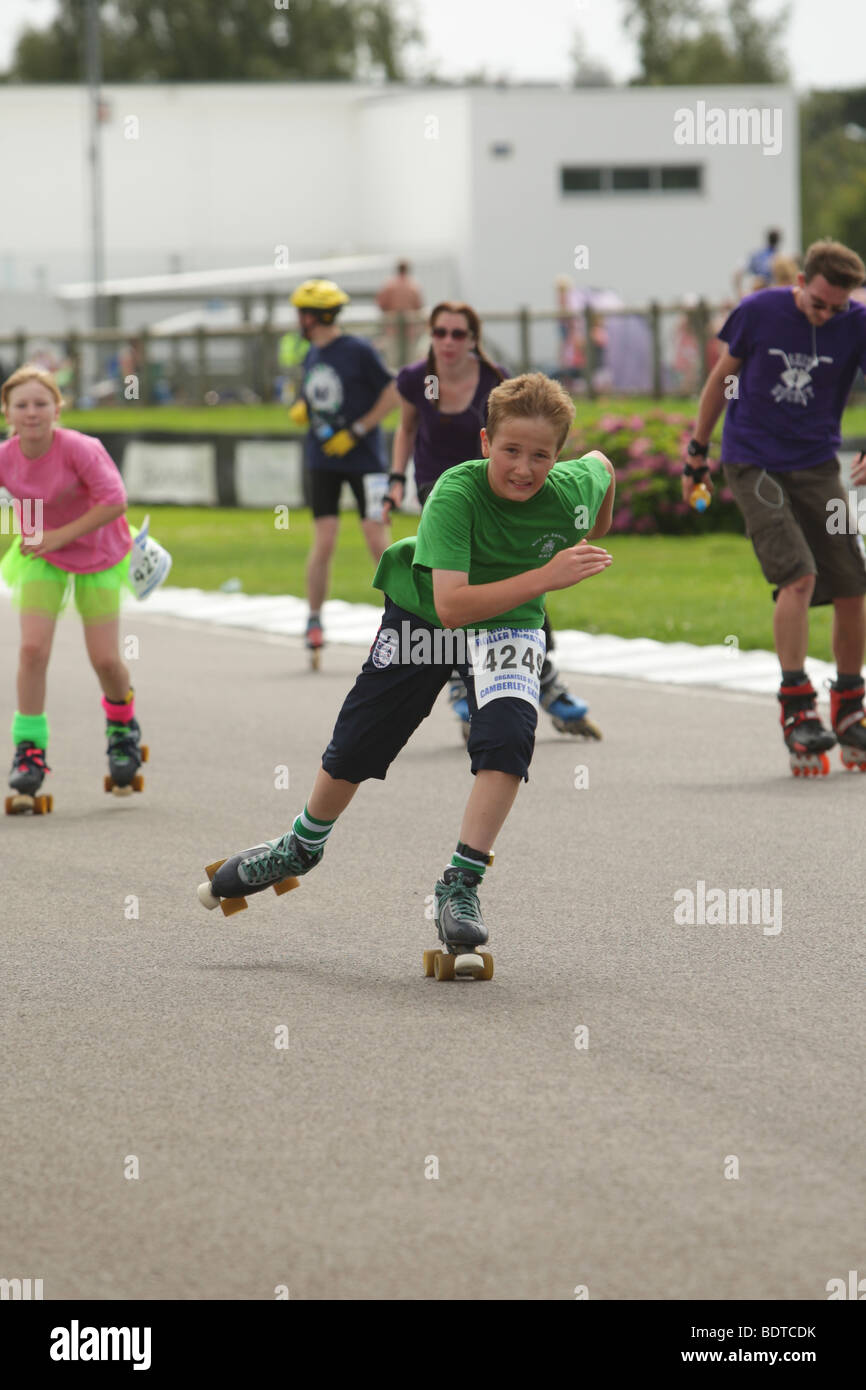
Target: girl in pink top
(69, 503)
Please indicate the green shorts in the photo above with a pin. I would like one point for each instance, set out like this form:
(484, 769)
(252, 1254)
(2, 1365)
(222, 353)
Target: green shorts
(40, 587)
(787, 518)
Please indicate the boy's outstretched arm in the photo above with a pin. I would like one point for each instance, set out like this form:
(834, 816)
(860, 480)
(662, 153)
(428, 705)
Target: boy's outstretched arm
(460, 603)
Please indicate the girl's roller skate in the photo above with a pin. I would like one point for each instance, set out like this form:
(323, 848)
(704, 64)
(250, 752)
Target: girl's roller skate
(849, 725)
(315, 640)
(568, 714)
(460, 705)
(461, 929)
(804, 734)
(126, 752)
(26, 777)
(276, 864)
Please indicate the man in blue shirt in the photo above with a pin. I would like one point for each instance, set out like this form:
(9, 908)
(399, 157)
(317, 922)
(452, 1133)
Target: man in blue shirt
(347, 390)
(759, 265)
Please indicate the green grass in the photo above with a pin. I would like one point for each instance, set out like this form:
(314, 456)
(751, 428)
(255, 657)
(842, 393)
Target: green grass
(672, 588)
(273, 419)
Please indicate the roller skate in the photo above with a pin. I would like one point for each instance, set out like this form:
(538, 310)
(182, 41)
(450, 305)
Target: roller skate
(805, 736)
(461, 929)
(25, 778)
(315, 640)
(460, 705)
(276, 864)
(126, 752)
(849, 725)
(568, 714)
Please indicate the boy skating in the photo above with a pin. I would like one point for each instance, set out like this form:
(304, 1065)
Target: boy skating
(473, 575)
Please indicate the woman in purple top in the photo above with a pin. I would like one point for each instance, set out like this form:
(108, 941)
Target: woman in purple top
(443, 408)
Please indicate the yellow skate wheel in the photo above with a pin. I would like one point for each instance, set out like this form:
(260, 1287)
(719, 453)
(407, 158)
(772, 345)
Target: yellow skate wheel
(49, 803)
(107, 782)
(315, 658)
(285, 885)
(138, 782)
(212, 868)
(10, 805)
(487, 972)
(232, 905)
(429, 958)
(145, 753)
(443, 966)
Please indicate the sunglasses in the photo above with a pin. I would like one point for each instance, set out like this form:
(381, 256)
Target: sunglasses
(458, 334)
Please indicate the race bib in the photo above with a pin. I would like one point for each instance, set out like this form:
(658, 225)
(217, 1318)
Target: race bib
(375, 489)
(507, 662)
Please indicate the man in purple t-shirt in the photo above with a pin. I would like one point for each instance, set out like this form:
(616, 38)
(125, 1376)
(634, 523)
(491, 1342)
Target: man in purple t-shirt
(790, 359)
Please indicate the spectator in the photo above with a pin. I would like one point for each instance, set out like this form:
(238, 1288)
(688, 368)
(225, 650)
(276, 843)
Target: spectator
(401, 294)
(759, 266)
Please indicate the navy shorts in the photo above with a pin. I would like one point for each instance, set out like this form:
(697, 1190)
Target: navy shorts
(390, 698)
(322, 488)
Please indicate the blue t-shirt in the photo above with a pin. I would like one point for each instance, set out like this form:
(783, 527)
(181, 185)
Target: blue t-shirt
(342, 381)
(444, 440)
(761, 263)
(793, 383)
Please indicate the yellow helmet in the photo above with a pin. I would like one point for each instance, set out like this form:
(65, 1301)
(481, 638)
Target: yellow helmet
(319, 294)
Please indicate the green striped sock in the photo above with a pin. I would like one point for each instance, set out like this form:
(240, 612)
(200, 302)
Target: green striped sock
(312, 833)
(476, 860)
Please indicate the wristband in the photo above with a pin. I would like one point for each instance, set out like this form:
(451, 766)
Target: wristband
(396, 478)
(358, 430)
(696, 450)
(697, 473)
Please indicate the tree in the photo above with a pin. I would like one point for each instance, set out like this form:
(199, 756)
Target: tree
(833, 167)
(227, 41)
(682, 42)
(588, 71)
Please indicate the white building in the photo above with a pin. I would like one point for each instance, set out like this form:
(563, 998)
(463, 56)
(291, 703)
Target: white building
(651, 192)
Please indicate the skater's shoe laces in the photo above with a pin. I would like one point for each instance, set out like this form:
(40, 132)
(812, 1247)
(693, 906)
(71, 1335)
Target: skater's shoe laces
(277, 859)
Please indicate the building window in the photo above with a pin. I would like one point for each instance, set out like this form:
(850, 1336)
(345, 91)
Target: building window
(581, 180)
(677, 178)
(628, 179)
(631, 178)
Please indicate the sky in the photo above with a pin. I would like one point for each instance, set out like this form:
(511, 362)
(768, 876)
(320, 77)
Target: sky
(530, 40)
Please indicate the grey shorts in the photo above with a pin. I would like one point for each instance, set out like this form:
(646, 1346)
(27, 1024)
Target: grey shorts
(793, 531)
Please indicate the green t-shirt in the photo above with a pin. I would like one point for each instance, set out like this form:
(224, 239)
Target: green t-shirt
(466, 527)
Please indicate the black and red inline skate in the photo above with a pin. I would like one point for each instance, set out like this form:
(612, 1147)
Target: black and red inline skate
(849, 725)
(805, 736)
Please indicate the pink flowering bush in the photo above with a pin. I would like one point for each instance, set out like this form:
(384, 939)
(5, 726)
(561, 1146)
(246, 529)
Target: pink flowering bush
(647, 452)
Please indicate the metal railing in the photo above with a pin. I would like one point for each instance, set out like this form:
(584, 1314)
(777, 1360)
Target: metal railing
(205, 363)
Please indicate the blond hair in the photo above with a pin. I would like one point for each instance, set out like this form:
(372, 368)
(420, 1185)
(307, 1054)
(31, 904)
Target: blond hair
(840, 266)
(532, 396)
(784, 270)
(21, 376)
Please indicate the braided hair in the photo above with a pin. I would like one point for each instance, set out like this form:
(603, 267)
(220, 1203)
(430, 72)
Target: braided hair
(474, 323)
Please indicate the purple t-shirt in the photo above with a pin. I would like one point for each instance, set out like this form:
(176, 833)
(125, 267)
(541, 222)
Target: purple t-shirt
(793, 383)
(444, 440)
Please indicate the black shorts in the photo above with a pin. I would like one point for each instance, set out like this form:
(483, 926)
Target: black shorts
(323, 487)
(390, 699)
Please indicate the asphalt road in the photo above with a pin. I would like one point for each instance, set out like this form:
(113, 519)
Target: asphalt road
(137, 1025)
